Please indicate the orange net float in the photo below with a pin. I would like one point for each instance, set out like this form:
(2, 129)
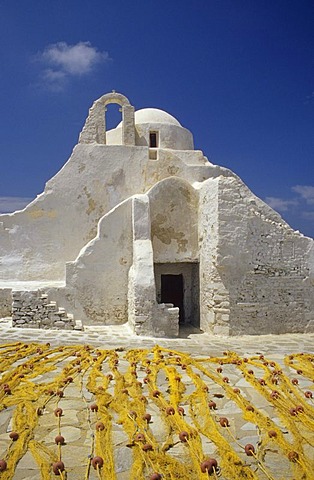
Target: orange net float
(209, 465)
(224, 422)
(147, 417)
(183, 436)
(99, 426)
(58, 467)
(147, 447)
(293, 456)
(97, 462)
(249, 449)
(140, 437)
(60, 440)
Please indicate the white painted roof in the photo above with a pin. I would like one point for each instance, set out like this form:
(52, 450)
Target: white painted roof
(154, 115)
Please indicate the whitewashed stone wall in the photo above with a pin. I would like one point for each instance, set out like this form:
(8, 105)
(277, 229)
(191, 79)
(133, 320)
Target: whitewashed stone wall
(214, 296)
(174, 221)
(266, 268)
(145, 315)
(97, 281)
(36, 243)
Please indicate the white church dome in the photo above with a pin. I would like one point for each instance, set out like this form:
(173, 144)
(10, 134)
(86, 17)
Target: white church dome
(154, 115)
(166, 129)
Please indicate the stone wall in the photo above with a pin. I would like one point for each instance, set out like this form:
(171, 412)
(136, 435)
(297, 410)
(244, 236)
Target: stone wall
(34, 310)
(214, 296)
(265, 266)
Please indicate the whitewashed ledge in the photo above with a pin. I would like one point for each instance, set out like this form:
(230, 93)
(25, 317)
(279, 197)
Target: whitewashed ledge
(30, 285)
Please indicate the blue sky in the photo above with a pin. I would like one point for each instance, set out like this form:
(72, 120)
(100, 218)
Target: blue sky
(237, 73)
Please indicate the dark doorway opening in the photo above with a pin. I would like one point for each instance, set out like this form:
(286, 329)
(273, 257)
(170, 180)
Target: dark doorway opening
(171, 291)
(183, 290)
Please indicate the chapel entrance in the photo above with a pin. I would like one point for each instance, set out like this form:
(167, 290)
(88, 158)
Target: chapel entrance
(171, 291)
(178, 283)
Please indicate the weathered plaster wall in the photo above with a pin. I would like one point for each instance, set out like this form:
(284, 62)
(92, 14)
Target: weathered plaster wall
(266, 267)
(112, 280)
(145, 315)
(214, 296)
(97, 281)
(174, 219)
(141, 285)
(35, 243)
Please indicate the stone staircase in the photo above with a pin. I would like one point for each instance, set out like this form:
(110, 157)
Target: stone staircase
(32, 309)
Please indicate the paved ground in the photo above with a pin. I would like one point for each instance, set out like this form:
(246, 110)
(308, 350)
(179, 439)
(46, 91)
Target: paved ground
(191, 341)
(122, 415)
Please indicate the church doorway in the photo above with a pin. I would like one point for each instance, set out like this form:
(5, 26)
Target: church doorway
(171, 291)
(178, 284)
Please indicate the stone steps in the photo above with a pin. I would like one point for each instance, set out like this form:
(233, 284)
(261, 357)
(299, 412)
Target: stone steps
(32, 309)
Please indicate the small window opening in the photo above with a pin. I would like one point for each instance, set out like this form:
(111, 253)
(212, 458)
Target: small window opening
(153, 139)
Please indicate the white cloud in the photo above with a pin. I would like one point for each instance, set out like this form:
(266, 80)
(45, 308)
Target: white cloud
(11, 204)
(76, 59)
(306, 196)
(308, 215)
(280, 204)
(306, 192)
(63, 61)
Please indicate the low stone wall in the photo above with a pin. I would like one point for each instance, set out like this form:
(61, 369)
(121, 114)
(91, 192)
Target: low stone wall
(34, 310)
(168, 321)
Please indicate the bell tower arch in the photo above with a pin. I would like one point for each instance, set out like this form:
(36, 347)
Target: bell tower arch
(94, 130)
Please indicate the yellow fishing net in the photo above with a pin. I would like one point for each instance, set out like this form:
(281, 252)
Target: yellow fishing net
(79, 412)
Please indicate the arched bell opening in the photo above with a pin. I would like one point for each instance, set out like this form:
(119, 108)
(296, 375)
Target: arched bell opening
(95, 127)
(113, 115)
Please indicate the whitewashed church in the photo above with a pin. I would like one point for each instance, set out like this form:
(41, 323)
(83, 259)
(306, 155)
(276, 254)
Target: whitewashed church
(139, 227)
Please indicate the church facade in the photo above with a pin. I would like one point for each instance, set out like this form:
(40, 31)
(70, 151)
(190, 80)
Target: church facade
(139, 227)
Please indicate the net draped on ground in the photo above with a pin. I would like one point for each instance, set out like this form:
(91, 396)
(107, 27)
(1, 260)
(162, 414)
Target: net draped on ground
(155, 412)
